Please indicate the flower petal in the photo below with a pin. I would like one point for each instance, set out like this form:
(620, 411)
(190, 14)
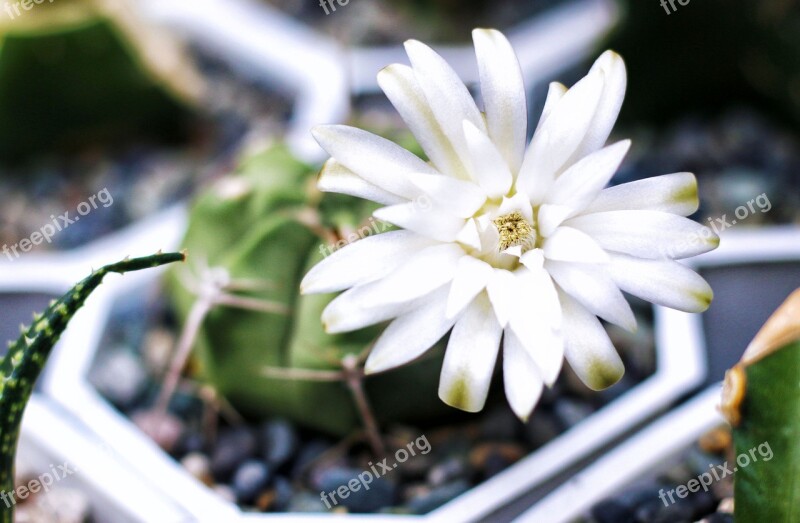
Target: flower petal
(470, 357)
(559, 137)
(536, 321)
(337, 178)
(401, 87)
(503, 93)
(647, 234)
(555, 92)
(488, 166)
(594, 289)
(427, 270)
(471, 277)
(502, 290)
(459, 197)
(673, 193)
(377, 160)
(664, 282)
(587, 347)
(363, 261)
(568, 244)
(348, 313)
(411, 334)
(447, 95)
(432, 222)
(583, 181)
(615, 79)
(522, 379)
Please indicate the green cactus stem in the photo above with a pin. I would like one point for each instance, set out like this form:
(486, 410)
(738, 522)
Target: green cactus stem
(762, 401)
(26, 358)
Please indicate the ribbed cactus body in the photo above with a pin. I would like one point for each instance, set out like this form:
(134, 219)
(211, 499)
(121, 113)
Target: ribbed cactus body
(255, 225)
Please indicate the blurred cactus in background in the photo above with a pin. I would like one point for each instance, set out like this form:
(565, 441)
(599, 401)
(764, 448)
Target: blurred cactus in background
(77, 71)
(258, 231)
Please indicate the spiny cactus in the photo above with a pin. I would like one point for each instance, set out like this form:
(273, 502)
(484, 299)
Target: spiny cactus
(762, 401)
(26, 357)
(269, 223)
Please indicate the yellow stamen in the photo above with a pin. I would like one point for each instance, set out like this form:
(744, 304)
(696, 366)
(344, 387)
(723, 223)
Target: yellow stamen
(513, 230)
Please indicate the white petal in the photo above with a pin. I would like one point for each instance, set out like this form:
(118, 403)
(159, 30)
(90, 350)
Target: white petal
(427, 270)
(551, 216)
(568, 244)
(502, 290)
(403, 90)
(503, 93)
(411, 334)
(615, 81)
(673, 193)
(647, 234)
(470, 357)
(363, 261)
(471, 277)
(377, 160)
(518, 202)
(587, 347)
(522, 379)
(348, 313)
(581, 183)
(335, 177)
(447, 95)
(555, 92)
(459, 197)
(554, 144)
(432, 222)
(536, 322)
(489, 168)
(469, 235)
(594, 289)
(664, 282)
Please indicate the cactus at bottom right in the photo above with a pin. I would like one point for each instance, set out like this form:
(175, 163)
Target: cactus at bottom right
(761, 400)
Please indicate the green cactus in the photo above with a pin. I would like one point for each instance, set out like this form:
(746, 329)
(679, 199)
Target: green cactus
(762, 402)
(266, 222)
(77, 71)
(26, 357)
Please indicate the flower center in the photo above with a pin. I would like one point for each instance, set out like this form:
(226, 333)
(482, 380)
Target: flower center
(513, 230)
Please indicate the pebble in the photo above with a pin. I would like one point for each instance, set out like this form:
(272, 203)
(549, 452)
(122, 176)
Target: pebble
(306, 502)
(716, 441)
(234, 446)
(656, 512)
(198, 465)
(226, 492)
(447, 471)
(491, 458)
(380, 493)
(278, 441)
(500, 424)
(719, 517)
(278, 497)
(163, 428)
(307, 456)
(250, 479)
(120, 377)
(570, 412)
(542, 428)
(437, 497)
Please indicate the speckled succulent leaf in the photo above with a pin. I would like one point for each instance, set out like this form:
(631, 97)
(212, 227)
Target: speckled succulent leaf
(26, 357)
(770, 412)
(251, 224)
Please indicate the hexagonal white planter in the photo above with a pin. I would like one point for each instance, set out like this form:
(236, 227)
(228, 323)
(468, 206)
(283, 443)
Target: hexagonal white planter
(116, 493)
(680, 368)
(645, 453)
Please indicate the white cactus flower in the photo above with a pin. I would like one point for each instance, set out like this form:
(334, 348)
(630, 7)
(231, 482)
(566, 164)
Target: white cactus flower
(518, 244)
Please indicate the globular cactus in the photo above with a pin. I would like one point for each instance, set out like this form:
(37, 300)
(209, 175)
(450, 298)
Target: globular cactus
(26, 357)
(762, 401)
(269, 222)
